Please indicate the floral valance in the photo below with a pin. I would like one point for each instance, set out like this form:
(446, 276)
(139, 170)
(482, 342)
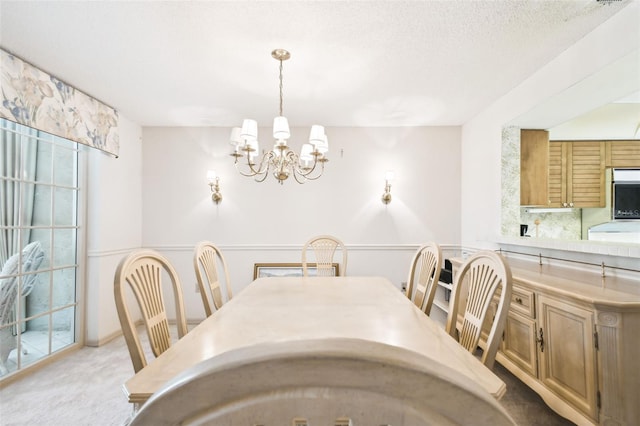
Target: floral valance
(36, 99)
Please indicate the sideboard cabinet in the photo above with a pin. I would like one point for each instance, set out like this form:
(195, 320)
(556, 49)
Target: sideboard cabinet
(574, 338)
(556, 349)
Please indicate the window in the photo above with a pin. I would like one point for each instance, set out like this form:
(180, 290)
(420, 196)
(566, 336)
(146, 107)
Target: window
(39, 230)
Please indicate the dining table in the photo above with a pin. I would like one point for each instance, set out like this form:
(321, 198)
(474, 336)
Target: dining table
(290, 309)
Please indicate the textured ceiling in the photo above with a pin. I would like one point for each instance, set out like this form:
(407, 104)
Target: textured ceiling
(365, 63)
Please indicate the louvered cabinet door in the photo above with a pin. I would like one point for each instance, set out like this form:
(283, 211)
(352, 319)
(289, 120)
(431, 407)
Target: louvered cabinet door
(576, 174)
(586, 177)
(623, 154)
(557, 173)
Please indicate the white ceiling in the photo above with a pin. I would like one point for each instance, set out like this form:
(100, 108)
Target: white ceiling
(354, 63)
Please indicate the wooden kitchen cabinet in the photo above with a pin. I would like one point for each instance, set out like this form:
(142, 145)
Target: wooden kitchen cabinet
(569, 173)
(534, 166)
(576, 174)
(622, 154)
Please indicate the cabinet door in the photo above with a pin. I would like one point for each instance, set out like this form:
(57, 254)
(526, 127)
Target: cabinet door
(586, 180)
(576, 174)
(534, 165)
(622, 154)
(519, 344)
(557, 173)
(567, 353)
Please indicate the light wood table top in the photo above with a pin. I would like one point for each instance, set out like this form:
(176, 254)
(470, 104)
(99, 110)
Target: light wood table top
(296, 308)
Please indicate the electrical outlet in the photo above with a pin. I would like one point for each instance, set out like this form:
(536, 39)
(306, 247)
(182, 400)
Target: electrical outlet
(404, 287)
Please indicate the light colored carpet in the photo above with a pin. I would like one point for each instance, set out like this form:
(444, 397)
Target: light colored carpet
(85, 388)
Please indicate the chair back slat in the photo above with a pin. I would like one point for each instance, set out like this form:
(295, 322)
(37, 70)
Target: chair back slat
(210, 268)
(207, 258)
(146, 284)
(485, 277)
(424, 275)
(142, 271)
(324, 248)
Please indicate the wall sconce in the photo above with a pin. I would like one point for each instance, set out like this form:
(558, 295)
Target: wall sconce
(388, 178)
(214, 184)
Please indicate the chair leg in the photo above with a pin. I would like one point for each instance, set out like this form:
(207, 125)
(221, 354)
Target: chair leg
(134, 411)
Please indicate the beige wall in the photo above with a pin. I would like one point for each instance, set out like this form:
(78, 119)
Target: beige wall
(345, 201)
(268, 222)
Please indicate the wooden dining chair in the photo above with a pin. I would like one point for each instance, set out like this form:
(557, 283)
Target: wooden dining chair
(143, 270)
(485, 276)
(324, 248)
(424, 274)
(208, 261)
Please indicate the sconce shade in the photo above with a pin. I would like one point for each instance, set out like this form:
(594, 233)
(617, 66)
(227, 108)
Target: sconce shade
(211, 176)
(389, 176)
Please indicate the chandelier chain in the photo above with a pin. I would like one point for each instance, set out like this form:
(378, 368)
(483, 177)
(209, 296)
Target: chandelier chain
(281, 88)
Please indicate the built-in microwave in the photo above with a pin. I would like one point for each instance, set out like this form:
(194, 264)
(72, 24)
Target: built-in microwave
(626, 193)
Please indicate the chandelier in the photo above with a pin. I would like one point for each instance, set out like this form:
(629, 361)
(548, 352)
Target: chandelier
(309, 165)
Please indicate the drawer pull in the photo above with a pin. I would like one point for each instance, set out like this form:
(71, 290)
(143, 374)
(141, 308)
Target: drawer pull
(519, 300)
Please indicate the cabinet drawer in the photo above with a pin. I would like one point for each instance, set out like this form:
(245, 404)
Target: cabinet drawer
(522, 302)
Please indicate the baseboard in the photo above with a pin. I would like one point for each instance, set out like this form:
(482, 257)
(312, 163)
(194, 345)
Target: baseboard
(108, 338)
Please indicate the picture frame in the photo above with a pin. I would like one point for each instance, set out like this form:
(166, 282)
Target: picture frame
(262, 270)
